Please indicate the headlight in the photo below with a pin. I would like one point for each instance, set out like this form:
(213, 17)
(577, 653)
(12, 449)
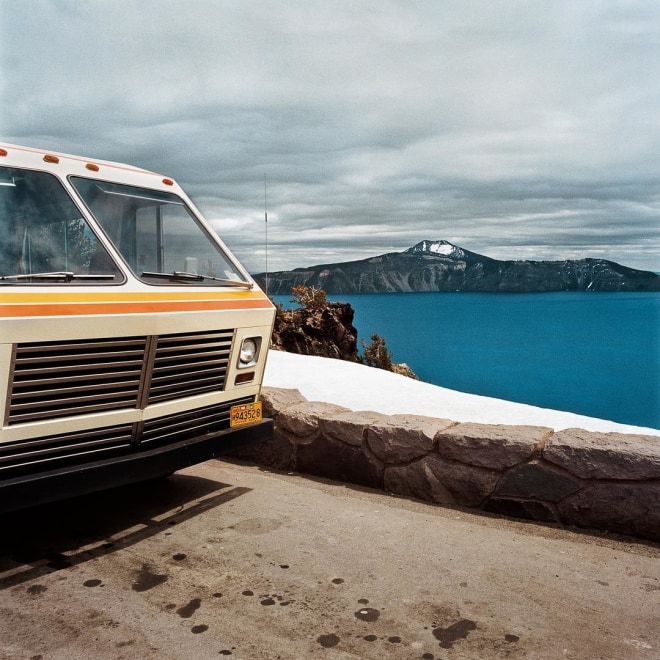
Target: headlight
(249, 351)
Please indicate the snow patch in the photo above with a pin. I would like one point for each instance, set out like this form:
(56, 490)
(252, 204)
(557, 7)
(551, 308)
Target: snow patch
(443, 248)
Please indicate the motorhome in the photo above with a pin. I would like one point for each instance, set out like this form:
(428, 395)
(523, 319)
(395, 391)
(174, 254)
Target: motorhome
(132, 342)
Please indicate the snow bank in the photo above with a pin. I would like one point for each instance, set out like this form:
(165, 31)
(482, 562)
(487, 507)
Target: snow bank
(358, 387)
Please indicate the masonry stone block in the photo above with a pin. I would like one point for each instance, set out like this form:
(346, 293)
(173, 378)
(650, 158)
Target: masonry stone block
(605, 455)
(337, 460)
(350, 427)
(403, 438)
(300, 422)
(435, 479)
(494, 446)
(537, 480)
(276, 399)
(627, 508)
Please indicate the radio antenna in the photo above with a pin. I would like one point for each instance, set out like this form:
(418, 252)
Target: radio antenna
(266, 222)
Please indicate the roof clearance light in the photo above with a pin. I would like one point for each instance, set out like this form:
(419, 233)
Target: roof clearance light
(168, 182)
(3, 152)
(92, 166)
(49, 158)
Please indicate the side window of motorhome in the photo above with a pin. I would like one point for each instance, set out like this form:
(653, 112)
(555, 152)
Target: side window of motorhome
(43, 232)
(154, 231)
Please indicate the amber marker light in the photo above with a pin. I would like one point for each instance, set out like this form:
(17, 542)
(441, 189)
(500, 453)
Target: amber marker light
(168, 182)
(244, 378)
(49, 158)
(92, 166)
(3, 152)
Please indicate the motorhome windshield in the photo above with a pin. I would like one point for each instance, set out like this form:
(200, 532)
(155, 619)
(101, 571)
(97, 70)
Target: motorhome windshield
(157, 235)
(43, 237)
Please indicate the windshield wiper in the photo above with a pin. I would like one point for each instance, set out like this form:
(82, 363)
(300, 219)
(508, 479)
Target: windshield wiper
(182, 275)
(67, 276)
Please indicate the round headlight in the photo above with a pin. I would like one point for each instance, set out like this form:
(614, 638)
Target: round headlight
(248, 351)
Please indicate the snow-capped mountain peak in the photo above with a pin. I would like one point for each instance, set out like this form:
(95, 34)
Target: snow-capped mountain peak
(442, 248)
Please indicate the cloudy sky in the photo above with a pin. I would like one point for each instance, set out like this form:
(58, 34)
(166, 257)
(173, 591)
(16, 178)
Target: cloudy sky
(513, 128)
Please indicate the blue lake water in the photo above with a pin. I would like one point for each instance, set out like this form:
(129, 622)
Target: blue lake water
(596, 354)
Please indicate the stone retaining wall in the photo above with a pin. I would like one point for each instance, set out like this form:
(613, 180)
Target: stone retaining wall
(606, 481)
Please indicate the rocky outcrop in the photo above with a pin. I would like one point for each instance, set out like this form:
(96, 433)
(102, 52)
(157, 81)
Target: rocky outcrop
(604, 481)
(326, 330)
(441, 266)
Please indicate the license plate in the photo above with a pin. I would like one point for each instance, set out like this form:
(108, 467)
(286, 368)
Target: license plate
(246, 413)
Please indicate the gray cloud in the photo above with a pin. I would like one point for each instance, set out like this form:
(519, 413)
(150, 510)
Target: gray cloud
(514, 129)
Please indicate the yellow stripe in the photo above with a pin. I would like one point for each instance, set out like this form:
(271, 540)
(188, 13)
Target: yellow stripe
(124, 296)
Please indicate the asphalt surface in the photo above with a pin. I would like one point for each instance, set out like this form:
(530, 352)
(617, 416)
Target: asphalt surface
(226, 560)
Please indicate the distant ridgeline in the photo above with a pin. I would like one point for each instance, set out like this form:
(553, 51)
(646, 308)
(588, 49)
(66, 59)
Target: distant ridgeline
(441, 266)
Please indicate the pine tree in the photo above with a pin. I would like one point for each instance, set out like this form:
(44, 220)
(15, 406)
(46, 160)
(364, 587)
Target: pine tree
(376, 353)
(308, 297)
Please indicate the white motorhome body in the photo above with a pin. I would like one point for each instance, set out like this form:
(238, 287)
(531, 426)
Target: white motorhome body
(132, 342)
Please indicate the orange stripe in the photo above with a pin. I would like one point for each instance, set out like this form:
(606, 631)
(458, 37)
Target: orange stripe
(86, 309)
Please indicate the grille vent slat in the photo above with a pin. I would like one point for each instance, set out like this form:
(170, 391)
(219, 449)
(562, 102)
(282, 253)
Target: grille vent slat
(74, 406)
(51, 452)
(188, 424)
(130, 356)
(73, 379)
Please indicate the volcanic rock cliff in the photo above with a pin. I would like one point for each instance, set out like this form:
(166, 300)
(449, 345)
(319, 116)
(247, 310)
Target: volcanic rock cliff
(441, 266)
(326, 330)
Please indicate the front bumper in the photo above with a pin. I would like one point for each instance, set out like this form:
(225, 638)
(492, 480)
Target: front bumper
(34, 489)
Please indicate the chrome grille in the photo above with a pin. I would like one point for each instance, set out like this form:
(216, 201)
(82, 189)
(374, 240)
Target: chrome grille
(187, 364)
(50, 380)
(58, 379)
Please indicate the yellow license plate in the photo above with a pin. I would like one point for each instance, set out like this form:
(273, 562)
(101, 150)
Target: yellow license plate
(246, 413)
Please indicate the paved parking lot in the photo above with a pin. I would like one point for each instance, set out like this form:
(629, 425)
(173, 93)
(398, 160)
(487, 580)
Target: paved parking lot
(230, 560)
